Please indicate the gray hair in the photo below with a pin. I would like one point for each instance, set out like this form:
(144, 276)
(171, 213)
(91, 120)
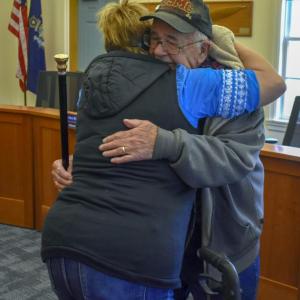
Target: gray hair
(198, 35)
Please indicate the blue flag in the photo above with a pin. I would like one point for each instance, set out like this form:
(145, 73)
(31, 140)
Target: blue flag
(36, 50)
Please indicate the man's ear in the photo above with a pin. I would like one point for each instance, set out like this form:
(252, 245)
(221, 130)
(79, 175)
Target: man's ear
(204, 51)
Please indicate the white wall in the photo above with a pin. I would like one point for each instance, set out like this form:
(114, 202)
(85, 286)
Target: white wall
(266, 23)
(265, 39)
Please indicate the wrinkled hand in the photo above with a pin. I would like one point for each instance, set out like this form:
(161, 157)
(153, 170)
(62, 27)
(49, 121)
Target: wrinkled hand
(134, 144)
(60, 176)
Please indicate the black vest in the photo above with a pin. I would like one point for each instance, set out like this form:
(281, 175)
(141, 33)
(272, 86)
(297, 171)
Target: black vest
(127, 220)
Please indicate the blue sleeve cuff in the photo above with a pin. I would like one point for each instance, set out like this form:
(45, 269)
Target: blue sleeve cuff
(205, 92)
(240, 93)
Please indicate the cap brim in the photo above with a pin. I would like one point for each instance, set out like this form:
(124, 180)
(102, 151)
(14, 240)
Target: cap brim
(171, 19)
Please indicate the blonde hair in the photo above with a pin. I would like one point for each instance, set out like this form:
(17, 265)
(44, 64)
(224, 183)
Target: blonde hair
(121, 25)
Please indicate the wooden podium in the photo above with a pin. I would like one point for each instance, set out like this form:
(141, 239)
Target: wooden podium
(31, 142)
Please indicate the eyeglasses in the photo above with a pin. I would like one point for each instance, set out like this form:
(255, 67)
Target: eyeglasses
(170, 47)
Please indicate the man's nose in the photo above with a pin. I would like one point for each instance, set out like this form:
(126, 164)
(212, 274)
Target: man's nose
(158, 50)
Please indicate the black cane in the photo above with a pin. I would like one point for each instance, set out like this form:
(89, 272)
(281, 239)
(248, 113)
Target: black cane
(61, 60)
(230, 284)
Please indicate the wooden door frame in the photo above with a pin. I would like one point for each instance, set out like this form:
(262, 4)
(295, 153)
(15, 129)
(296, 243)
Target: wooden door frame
(73, 44)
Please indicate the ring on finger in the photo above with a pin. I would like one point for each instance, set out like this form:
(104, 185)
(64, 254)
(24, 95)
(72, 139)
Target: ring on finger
(124, 149)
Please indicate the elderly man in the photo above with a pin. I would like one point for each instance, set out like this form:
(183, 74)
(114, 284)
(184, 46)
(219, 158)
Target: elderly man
(222, 161)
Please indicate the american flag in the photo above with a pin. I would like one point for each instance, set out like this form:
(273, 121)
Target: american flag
(18, 25)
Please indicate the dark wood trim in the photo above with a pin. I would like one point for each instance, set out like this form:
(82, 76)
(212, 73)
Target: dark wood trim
(73, 45)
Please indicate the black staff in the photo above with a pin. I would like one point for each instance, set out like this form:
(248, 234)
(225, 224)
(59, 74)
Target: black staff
(61, 60)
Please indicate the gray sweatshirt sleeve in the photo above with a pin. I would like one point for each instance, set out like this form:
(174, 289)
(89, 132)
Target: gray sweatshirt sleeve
(226, 152)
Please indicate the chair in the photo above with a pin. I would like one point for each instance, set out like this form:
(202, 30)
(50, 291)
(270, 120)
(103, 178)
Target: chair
(292, 134)
(47, 89)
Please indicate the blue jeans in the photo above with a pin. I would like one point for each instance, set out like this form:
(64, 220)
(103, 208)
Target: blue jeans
(75, 281)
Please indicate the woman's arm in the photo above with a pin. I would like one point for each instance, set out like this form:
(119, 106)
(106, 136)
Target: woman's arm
(61, 177)
(205, 92)
(271, 84)
(227, 151)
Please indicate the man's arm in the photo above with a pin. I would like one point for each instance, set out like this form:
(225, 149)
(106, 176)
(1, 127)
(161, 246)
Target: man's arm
(225, 154)
(227, 151)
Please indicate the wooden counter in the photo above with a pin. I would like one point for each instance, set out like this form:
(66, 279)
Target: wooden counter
(280, 245)
(31, 142)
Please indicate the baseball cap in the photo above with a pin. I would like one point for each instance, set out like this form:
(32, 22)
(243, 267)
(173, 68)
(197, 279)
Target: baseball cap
(185, 16)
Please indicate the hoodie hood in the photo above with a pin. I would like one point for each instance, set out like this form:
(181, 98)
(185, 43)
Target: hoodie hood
(114, 80)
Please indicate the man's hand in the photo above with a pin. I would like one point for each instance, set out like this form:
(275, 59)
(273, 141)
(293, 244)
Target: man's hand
(134, 144)
(61, 177)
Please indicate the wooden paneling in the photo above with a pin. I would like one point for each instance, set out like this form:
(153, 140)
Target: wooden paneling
(236, 15)
(30, 143)
(274, 290)
(16, 171)
(47, 149)
(151, 5)
(280, 243)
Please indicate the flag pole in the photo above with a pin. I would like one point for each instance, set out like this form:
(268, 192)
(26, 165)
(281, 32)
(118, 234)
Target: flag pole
(61, 60)
(25, 98)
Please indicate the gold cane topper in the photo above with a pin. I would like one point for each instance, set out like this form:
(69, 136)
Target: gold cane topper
(61, 60)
